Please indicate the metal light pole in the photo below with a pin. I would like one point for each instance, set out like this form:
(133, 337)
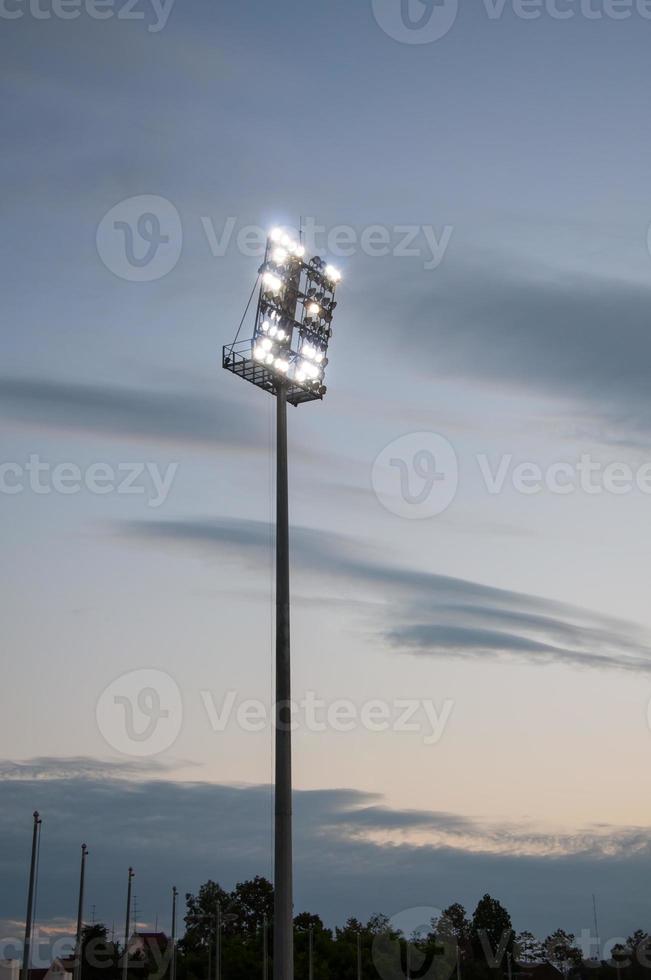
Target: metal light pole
(218, 942)
(283, 900)
(80, 912)
(265, 948)
(310, 952)
(359, 956)
(173, 961)
(127, 927)
(286, 357)
(30, 897)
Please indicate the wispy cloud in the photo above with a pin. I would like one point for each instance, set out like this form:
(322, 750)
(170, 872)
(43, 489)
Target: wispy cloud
(130, 413)
(429, 614)
(581, 338)
(79, 767)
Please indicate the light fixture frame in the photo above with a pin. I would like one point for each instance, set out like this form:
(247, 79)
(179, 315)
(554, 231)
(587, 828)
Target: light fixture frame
(289, 308)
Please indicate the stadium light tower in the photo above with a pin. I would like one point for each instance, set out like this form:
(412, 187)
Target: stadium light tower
(286, 357)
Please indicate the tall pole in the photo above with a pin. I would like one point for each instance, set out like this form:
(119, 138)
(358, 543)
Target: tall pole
(265, 949)
(127, 928)
(310, 952)
(30, 897)
(596, 925)
(218, 943)
(173, 960)
(359, 956)
(283, 959)
(80, 912)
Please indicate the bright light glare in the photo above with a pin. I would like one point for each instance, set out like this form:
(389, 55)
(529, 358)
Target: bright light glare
(272, 282)
(299, 251)
(282, 365)
(273, 331)
(266, 344)
(269, 359)
(279, 256)
(281, 335)
(308, 351)
(266, 325)
(259, 354)
(313, 309)
(333, 274)
(276, 234)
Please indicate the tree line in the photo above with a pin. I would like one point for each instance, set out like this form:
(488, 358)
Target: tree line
(229, 936)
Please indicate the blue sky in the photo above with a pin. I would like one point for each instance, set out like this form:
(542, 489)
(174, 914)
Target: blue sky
(517, 145)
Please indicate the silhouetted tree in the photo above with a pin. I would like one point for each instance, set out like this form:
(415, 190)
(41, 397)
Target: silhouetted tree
(561, 950)
(248, 904)
(453, 923)
(491, 932)
(527, 948)
(99, 956)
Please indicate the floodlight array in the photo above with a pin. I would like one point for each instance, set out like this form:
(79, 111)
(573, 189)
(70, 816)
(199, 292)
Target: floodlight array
(293, 323)
(295, 310)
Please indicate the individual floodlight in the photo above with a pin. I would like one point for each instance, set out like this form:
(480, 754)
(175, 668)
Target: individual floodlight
(272, 282)
(334, 275)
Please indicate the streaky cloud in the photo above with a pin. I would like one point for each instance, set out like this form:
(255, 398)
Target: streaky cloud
(425, 613)
(131, 413)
